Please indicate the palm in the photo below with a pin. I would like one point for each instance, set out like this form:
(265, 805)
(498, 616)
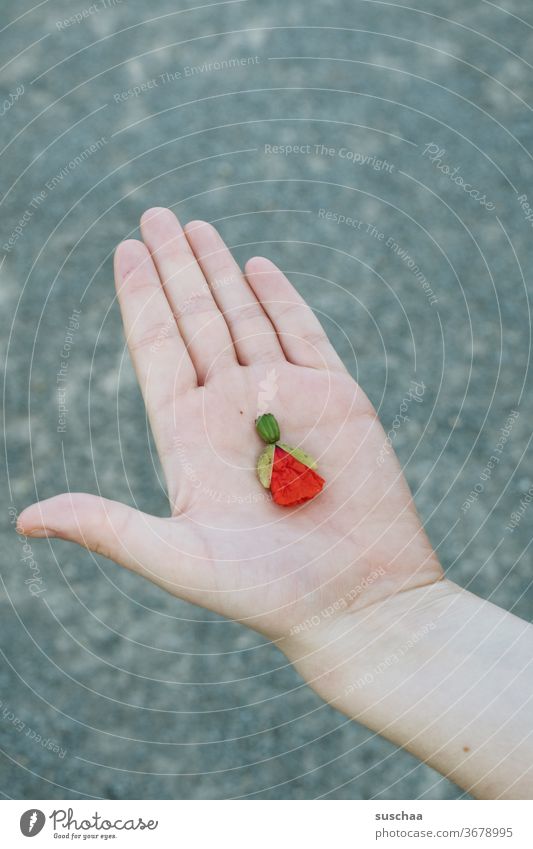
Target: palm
(227, 545)
(285, 566)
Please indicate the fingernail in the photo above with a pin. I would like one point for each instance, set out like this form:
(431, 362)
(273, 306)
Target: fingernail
(40, 533)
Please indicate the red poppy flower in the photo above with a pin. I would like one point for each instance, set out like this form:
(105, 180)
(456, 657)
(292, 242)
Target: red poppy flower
(288, 472)
(292, 482)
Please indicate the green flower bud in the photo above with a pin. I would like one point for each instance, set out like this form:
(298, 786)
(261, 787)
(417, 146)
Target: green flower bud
(267, 428)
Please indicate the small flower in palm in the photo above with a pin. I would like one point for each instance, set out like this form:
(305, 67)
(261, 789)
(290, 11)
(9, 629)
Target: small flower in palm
(288, 472)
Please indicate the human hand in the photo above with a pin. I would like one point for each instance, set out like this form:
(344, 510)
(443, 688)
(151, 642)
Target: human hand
(347, 584)
(204, 338)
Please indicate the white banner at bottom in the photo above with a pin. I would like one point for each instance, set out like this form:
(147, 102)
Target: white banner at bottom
(267, 824)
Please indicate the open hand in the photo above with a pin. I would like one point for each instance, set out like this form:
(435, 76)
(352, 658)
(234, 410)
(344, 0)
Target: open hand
(213, 347)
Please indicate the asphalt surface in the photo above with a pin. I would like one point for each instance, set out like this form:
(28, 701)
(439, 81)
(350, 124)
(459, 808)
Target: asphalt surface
(333, 138)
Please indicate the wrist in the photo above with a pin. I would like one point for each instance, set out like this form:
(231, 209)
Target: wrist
(347, 658)
(440, 672)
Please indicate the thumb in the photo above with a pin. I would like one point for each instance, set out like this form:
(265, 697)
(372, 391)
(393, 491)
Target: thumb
(106, 527)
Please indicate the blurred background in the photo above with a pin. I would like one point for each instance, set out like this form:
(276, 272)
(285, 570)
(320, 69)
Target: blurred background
(380, 153)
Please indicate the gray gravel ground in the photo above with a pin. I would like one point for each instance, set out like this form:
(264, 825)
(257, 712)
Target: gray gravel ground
(146, 696)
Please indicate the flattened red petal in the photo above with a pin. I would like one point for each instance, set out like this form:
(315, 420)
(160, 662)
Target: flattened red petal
(292, 482)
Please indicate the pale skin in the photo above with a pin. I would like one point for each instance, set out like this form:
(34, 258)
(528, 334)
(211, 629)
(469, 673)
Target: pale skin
(348, 585)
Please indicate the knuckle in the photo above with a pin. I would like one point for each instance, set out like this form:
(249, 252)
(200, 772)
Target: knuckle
(199, 303)
(226, 274)
(154, 337)
(136, 282)
(246, 313)
(287, 310)
(266, 356)
(110, 529)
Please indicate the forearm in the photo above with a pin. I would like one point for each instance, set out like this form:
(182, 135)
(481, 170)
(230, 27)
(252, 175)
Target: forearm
(442, 673)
